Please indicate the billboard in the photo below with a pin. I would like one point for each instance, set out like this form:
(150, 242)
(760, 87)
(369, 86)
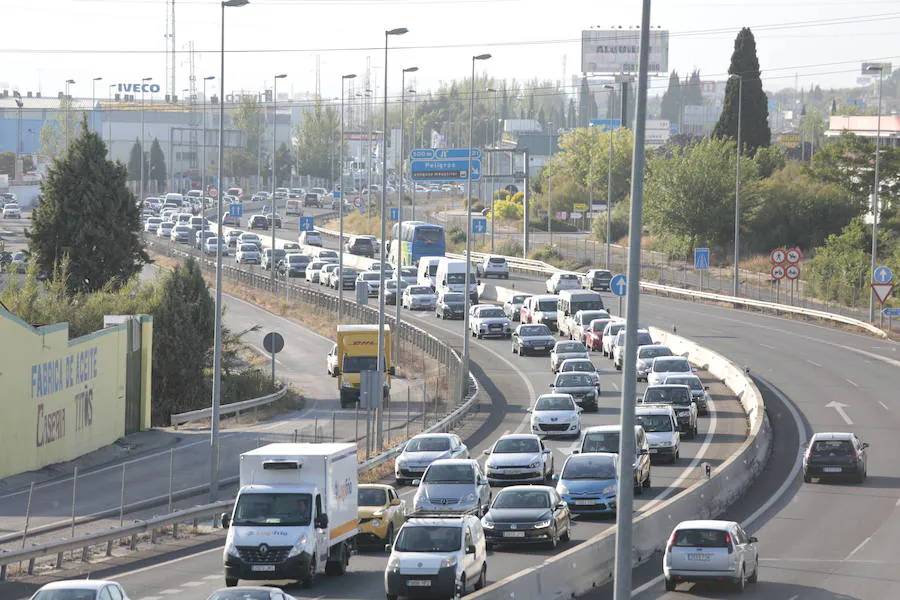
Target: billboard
(617, 51)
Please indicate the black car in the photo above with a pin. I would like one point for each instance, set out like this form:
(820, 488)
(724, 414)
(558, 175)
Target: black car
(269, 221)
(390, 292)
(450, 305)
(312, 200)
(597, 280)
(259, 222)
(527, 514)
(360, 246)
(837, 455)
(532, 338)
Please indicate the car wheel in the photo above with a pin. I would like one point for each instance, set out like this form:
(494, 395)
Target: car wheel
(807, 478)
(741, 584)
(639, 489)
(514, 349)
(554, 539)
(231, 581)
(482, 578)
(755, 576)
(647, 483)
(670, 585)
(567, 535)
(461, 586)
(308, 578)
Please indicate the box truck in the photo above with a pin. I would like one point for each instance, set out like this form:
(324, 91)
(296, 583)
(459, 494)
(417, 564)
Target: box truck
(295, 515)
(357, 351)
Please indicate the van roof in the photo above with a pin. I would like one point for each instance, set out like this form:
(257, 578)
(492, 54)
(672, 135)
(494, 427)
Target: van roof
(294, 449)
(706, 524)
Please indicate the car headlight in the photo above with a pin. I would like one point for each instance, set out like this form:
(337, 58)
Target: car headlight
(378, 514)
(542, 524)
(449, 561)
(376, 523)
(232, 550)
(346, 384)
(299, 547)
(562, 489)
(610, 489)
(487, 524)
(470, 498)
(535, 464)
(490, 466)
(401, 461)
(573, 418)
(394, 563)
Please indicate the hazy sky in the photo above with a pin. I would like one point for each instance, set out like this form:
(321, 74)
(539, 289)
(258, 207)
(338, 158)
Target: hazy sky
(45, 42)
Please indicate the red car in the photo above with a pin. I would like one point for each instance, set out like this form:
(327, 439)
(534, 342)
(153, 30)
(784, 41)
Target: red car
(593, 334)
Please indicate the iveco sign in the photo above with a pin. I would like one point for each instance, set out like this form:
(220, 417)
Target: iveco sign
(138, 87)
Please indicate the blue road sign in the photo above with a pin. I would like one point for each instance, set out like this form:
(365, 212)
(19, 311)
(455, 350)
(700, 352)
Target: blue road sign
(306, 224)
(883, 274)
(236, 209)
(618, 285)
(701, 259)
(606, 124)
(479, 225)
(443, 153)
(336, 193)
(891, 312)
(395, 213)
(455, 169)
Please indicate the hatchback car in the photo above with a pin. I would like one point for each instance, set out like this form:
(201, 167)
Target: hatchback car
(200, 238)
(210, 246)
(837, 455)
(645, 356)
(493, 266)
(419, 297)
(247, 254)
(564, 351)
(608, 337)
(360, 246)
(679, 398)
(11, 210)
(581, 386)
(513, 305)
(372, 279)
(618, 346)
(556, 415)
(518, 458)
(661, 426)
(310, 238)
(325, 272)
(588, 483)
(581, 365)
(532, 339)
(699, 392)
(390, 291)
(165, 229)
(271, 257)
(293, 265)
(152, 224)
(231, 237)
(313, 269)
(596, 280)
(81, 589)
(346, 278)
(424, 449)
(665, 366)
(450, 306)
(381, 513)
(527, 514)
(710, 551)
(258, 222)
(605, 438)
(250, 238)
(593, 334)
(183, 234)
(453, 485)
(562, 281)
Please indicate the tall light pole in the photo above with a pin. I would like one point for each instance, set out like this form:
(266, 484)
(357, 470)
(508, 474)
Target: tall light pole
(736, 284)
(493, 174)
(875, 195)
(109, 122)
(467, 295)
(379, 434)
(94, 98)
(141, 192)
(274, 171)
(549, 182)
(398, 242)
(68, 103)
(413, 145)
(217, 335)
(203, 185)
(609, 168)
(344, 79)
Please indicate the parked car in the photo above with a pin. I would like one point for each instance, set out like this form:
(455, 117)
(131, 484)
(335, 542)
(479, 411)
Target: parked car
(518, 458)
(710, 551)
(527, 514)
(453, 485)
(422, 450)
(836, 455)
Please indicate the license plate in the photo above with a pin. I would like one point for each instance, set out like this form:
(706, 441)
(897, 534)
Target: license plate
(653, 450)
(699, 557)
(520, 534)
(539, 348)
(831, 469)
(585, 502)
(262, 567)
(419, 583)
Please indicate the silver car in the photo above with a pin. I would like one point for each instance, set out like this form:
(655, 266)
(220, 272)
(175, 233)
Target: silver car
(518, 458)
(645, 356)
(710, 551)
(453, 485)
(566, 350)
(424, 449)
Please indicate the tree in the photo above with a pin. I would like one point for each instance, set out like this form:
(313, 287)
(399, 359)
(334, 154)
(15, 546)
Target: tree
(284, 161)
(585, 104)
(839, 270)
(768, 160)
(571, 118)
(182, 338)
(157, 171)
(8, 163)
(672, 99)
(585, 155)
(754, 105)
(247, 117)
(88, 214)
(240, 162)
(53, 133)
(134, 162)
(813, 126)
(693, 91)
(316, 139)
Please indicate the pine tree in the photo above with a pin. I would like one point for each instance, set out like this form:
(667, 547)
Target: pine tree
(134, 162)
(283, 161)
(755, 131)
(693, 93)
(542, 118)
(585, 104)
(672, 98)
(88, 213)
(157, 166)
(571, 118)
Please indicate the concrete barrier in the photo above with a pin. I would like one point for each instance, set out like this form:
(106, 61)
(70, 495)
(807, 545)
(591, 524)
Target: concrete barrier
(591, 563)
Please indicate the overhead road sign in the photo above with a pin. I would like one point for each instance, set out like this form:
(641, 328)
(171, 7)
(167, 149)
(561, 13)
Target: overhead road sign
(701, 259)
(883, 274)
(882, 291)
(618, 285)
(443, 153)
(445, 170)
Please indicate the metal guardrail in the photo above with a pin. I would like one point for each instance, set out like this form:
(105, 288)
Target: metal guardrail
(227, 409)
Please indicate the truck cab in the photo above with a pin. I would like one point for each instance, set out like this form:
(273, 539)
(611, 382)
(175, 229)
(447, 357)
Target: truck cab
(357, 351)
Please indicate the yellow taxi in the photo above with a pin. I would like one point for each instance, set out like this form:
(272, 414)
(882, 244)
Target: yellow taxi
(381, 513)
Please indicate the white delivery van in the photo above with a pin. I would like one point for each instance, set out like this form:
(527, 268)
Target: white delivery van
(451, 277)
(428, 270)
(295, 515)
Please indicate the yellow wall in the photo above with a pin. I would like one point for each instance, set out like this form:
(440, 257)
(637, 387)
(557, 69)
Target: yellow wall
(59, 398)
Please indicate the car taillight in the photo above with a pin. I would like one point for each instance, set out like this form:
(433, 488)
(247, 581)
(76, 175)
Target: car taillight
(728, 543)
(671, 543)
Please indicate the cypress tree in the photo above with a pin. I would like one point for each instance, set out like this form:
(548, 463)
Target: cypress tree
(755, 131)
(671, 100)
(157, 165)
(134, 162)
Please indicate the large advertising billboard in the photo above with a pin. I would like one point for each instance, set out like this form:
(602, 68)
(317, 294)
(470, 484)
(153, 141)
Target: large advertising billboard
(618, 50)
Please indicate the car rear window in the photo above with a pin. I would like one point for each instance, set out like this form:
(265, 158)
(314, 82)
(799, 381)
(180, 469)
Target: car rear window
(601, 442)
(702, 538)
(497, 261)
(832, 448)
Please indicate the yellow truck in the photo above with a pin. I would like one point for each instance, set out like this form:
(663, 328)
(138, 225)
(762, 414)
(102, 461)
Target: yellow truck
(356, 351)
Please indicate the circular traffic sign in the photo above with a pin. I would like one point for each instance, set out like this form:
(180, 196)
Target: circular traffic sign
(794, 255)
(777, 272)
(792, 272)
(778, 256)
(273, 342)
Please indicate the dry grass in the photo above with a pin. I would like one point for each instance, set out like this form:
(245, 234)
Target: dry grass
(355, 223)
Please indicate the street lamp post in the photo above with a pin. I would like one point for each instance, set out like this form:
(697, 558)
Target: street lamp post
(609, 190)
(68, 103)
(379, 433)
(413, 145)
(491, 158)
(203, 186)
(736, 284)
(94, 98)
(467, 295)
(549, 183)
(274, 172)
(141, 192)
(109, 123)
(875, 195)
(397, 241)
(217, 336)
(344, 78)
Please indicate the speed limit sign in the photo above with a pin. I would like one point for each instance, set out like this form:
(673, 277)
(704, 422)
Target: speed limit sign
(778, 272)
(792, 272)
(793, 256)
(778, 256)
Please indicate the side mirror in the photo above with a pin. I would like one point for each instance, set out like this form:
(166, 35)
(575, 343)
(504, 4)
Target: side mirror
(546, 451)
(753, 539)
(395, 502)
(388, 548)
(706, 387)
(865, 445)
(528, 410)
(470, 549)
(322, 522)
(482, 480)
(580, 410)
(487, 452)
(555, 476)
(576, 451)
(392, 371)
(416, 481)
(337, 371)
(561, 506)
(226, 520)
(552, 385)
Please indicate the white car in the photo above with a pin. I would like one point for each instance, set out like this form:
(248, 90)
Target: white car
(574, 325)
(610, 332)
(165, 229)
(410, 275)
(325, 273)
(490, 321)
(419, 297)
(152, 224)
(581, 365)
(493, 266)
(563, 281)
(518, 458)
(11, 210)
(424, 449)
(209, 246)
(710, 551)
(618, 346)
(250, 238)
(664, 366)
(371, 279)
(81, 589)
(566, 350)
(314, 270)
(331, 361)
(556, 415)
(645, 356)
(247, 254)
(660, 423)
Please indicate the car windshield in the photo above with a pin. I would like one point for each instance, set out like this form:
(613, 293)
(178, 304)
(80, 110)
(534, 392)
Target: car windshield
(692, 382)
(654, 423)
(428, 444)
(248, 248)
(588, 316)
(643, 338)
(358, 364)
(449, 474)
(420, 290)
(517, 446)
(536, 498)
(601, 441)
(832, 448)
(589, 467)
(546, 305)
(673, 365)
(297, 258)
(667, 395)
(458, 278)
(554, 403)
(584, 366)
(574, 380)
(653, 352)
(241, 595)
(433, 538)
(533, 330)
(371, 497)
(568, 347)
(371, 276)
(448, 298)
(517, 299)
(66, 595)
(491, 313)
(701, 538)
(273, 509)
(614, 328)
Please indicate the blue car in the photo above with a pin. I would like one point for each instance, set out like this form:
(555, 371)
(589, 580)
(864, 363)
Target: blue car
(587, 483)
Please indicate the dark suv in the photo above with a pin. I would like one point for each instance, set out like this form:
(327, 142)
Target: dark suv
(312, 200)
(596, 280)
(361, 246)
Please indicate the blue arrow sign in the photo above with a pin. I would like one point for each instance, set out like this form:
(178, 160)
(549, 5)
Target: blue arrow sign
(306, 224)
(236, 209)
(444, 153)
(891, 312)
(606, 124)
(701, 259)
(445, 170)
(479, 225)
(883, 274)
(619, 284)
(395, 213)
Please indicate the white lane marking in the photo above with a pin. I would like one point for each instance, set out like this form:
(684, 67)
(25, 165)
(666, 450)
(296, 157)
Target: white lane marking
(265, 354)
(191, 556)
(813, 363)
(794, 597)
(851, 382)
(615, 385)
(858, 548)
(151, 598)
(190, 584)
(212, 577)
(898, 502)
(767, 346)
(839, 407)
(792, 476)
(883, 405)
(170, 592)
